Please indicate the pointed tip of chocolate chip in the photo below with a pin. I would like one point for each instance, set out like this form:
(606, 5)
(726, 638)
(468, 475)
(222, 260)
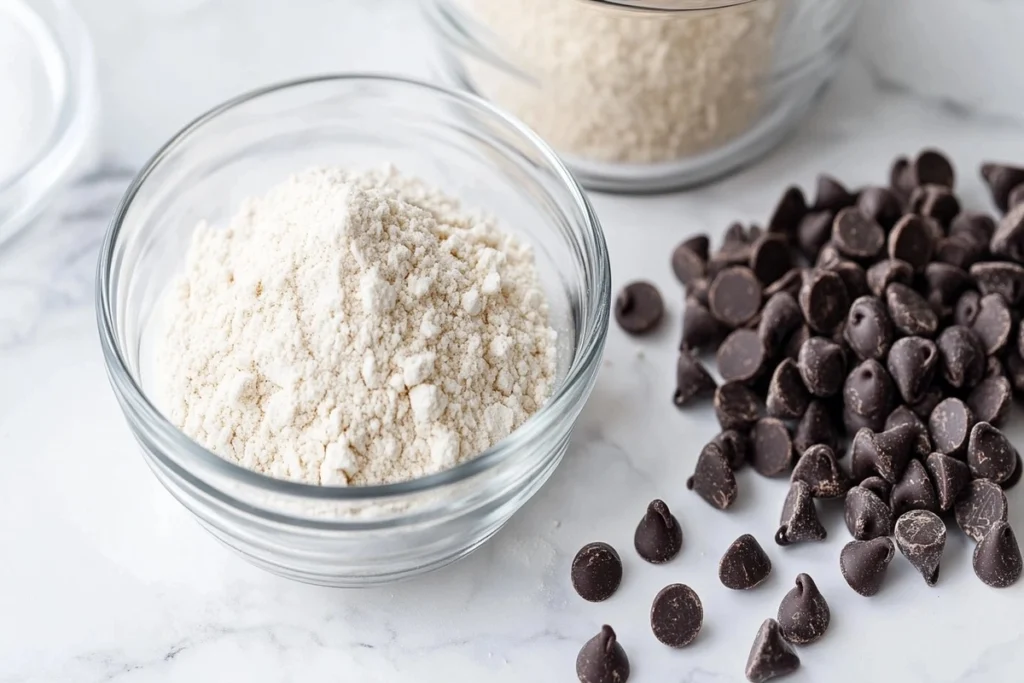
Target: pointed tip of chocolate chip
(864, 564)
(949, 477)
(770, 656)
(804, 614)
(921, 537)
(799, 520)
(658, 536)
(866, 514)
(713, 479)
(914, 491)
(692, 379)
(744, 564)
(885, 453)
(997, 559)
(819, 469)
(981, 504)
(602, 659)
(990, 455)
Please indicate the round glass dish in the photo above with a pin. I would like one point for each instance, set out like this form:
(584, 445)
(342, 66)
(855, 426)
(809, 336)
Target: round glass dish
(357, 535)
(646, 95)
(49, 97)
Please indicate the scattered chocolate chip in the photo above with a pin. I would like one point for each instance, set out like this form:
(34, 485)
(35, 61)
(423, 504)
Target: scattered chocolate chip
(977, 227)
(832, 195)
(771, 447)
(914, 491)
(692, 379)
(701, 330)
(741, 356)
(884, 453)
(853, 276)
(931, 167)
(963, 357)
(869, 395)
(990, 454)
(903, 415)
(823, 300)
(957, 251)
(993, 324)
(699, 245)
(737, 406)
(639, 308)
(735, 296)
(735, 447)
(945, 283)
(935, 201)
(949, 475)
(864, 563)
(744, 564)
(769, 258)
(787, 396)
(911, 241)
(804, 614)
(596, 572)
(880, 204)
(602, 659)
(814, 231)
(909, 311)
(990, 400)
(982, 503)
(998, 277)
(921, 537)
(713, 479)
(790, 282)
(676, 615)
(877, 485)
(819, 469)
(822, 366)
(799, 520)
(866, 514)
(788, 213)
(815, 427)
(950, 425)
(856, 235)
(770, 655)
(658, 537)
(913, 363)
(1001, 178)
(997, 561)
(868, 329)
(884, 273)
(688, 265)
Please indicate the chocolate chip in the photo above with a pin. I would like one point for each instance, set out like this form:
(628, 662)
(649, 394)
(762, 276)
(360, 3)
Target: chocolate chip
(790, 283)
(701, 330)
(864, 563)
(770, 655)
(868, 329)
(853, 276)
(899, 179)
(823, 300)
(1001, 178)
(903, 415)
(699, 245)
(596, 572)
(869, 395)
(698, 291)
(639, 308)
(815, 427)
(886, 272)
(796, 341)
(949, 475)
(688, 265)
(741, 356)
(945, 283)
(914, 491)
(788, 212)
(735, 447)
(771, 447)
(737, 406)
(769, 258)
(921, 537)
(1015, 369)
(819, 469)
(735, 296)
(958, 251)
(881, 205)
(909, 311)
(931, 167)
(827, 256)
(978, 227)
(814, 231)
(602, 659)
(779, 318)
(735, 234)
(880, 487)
(950, 425)
(804, 615)
(990, 454)
(692, 379)
(935, 201)
(963, 357)
(884, 453)
(997, 277)
(658, 537)
(799, 520)
(990, 400)
(744, 564)
(787, 395)
(966, 310)
(713, 479)
(856, 235)
(982, 503)
(822, 366)
(831, 195)
(913, 363)
(676, 615)
(911, 241)
(997, 561)
(1015, 477)
(866, 514)
(926, 405)
(1016, 197)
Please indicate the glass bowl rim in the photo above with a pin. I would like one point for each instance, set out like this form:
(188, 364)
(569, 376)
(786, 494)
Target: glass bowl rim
(672, 5)
(587, 353)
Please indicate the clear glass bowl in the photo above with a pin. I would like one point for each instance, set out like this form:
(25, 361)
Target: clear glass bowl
(358, 535)
(646, 95)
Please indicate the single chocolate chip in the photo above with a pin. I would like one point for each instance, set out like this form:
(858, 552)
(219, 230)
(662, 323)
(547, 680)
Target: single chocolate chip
(950, 425)
(744, 564)
(699, 245)
(998, 277)
(979, 227)
(771, 447)
(884, 453)
(676, 615)
(931, 167)
(1015, 477)
(926, 405)
(692, 379)
(832, 195)
(886, 272)
(815, 427)
(788, 212)
(639, 308)
(770, 655)
(804, 614)
(949, 475)
(868, 329)
(658, 537)
(769, 258)
(997, 561)
(990, 400)
(1001, 178)
(909, 311)
(796, 341)
(713, 479)
(990, 454)
(822, 366)
(853, 277)
(799, 520)
(914, 491)
(698, 291)
(856, 235)
(935, 201)
(790, 283)
(967, 307)
(945, 283)
(735, 296)
(913, 363)
(688, 265)
(880, 487)
(779, 318)
(824, 300)
(602, 659)
(869, 395)
(819, 469)
(864, 563)
(900, 180)
(787, 395)
(827, 255)
(958, 251)
(881, 205)
(735, 447)
(921, 537)
(1016, 197)
(737, 406)
(734, 234)
(814, 231)
(963, 356)
(982, 503)
(596, 572)
(866, 514)
(701, 330)
(903, 415)
(741, 356)
(911, 241)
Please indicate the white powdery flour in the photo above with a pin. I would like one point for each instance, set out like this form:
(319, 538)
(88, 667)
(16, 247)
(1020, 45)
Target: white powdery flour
(355, 329)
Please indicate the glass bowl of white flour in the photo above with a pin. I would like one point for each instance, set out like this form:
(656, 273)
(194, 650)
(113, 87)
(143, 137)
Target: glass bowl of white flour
(351, 321)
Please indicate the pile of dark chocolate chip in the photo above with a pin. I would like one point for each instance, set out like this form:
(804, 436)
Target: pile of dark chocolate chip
(884, 323)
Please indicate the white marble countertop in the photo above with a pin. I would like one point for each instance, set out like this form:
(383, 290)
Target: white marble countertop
(104, 577)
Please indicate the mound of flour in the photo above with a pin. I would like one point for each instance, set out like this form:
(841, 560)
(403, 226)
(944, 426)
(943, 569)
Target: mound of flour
(354, 329)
